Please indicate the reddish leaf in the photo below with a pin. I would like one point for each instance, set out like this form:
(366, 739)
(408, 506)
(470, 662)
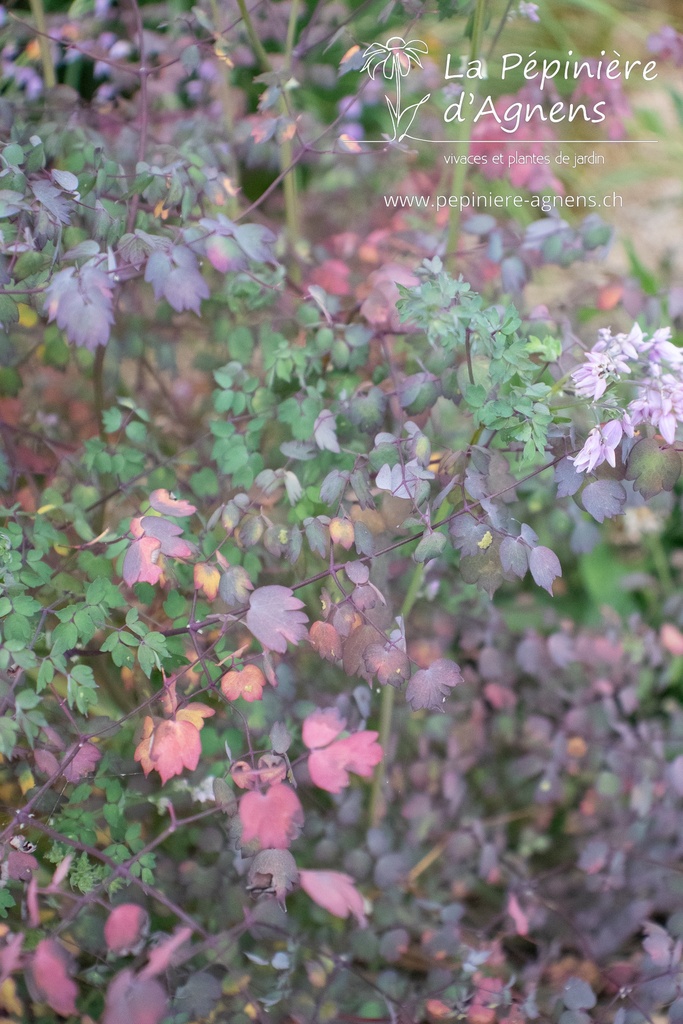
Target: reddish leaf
(330, 766)
(125, 927)
(335, 892)
(85, 762)
(168, 747)
(333, 276)
(274, 818)
(51, 968)
(247, 684)
(326, 641)
(274, 618)
(273, 871)
(132, 1000)
(321, 727)
(391, 666)
(140, 563)
(359, 641)
(429, 687)
(162, 501)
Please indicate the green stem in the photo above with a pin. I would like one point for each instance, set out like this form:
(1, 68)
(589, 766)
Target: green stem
(98, 388)
(38, 11)
(377, 803)
(257, 45)
(465, 135)
(290, 184)
(225, 98)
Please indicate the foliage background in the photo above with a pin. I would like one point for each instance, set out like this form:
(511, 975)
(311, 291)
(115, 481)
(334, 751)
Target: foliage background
(517, 857)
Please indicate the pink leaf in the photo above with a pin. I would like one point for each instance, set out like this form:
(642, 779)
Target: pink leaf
(50, 973)
(168, 536)
(274, 618)
(139, 565)
(160, 957)
(330, 766)
(46, 761)
(321, 727)
(83, 763)
(32, 902)
(333, 276)
(335, 892)
(274, 818)
(521, 921)
(125, 926)
(61, 871)
(162, 501)
(133, 1000)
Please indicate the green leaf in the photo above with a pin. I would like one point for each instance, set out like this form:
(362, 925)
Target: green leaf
(64, 637)
(431, 546)
(6, 901)
(27, 699)
(653, 467)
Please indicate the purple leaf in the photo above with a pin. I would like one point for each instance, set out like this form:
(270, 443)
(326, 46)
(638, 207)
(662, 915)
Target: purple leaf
(604, 499)
(567, 479)
(274, 618)
(514, 556)
(545, 567)
(174, 276)
(51, 199)
(467, 534)
(82, 305)
(325, 432)
(429, 687)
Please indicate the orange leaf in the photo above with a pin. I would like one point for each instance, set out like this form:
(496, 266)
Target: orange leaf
(609, 296)
(195, 713)
(341, 532)
(207, 578)
(248, 684)
(168, 747)
(671, 639)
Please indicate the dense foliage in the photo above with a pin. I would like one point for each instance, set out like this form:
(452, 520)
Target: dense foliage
(341, 656)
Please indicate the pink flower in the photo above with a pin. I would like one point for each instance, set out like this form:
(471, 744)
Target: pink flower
(659, 402)
(607, 361)
(599, 447)
(528, 10)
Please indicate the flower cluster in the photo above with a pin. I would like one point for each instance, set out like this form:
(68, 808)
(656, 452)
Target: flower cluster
(654, 365)
(528, 10)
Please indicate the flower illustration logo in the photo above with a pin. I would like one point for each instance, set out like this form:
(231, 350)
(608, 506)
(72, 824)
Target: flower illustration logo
(395, 59)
